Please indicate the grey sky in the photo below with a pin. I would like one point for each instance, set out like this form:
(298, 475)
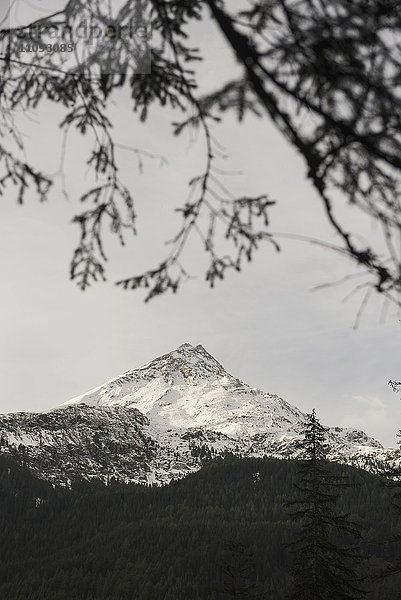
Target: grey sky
(264, 325)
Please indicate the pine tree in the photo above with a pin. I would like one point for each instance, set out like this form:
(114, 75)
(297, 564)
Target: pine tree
(391, 474)
(324, 568)
(237, 573)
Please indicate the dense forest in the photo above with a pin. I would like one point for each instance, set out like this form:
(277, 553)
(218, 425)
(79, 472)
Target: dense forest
(120, 542)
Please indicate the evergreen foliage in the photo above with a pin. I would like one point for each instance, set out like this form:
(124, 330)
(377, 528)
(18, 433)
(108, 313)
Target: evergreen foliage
(323, 568)
(393, 483)
(237, 573)
(119, 542)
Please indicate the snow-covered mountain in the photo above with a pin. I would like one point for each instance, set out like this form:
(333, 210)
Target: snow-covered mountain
(157, 423)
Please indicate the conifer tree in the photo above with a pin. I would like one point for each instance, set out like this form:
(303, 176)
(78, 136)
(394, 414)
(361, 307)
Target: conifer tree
(237, 573)
(392, 480)
(324, 568)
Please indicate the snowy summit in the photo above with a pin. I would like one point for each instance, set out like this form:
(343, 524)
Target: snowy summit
(156, 423)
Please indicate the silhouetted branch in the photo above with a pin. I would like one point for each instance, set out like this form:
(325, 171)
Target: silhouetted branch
(325, 73)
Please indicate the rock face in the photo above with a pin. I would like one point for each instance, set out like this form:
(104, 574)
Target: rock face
(158, 422)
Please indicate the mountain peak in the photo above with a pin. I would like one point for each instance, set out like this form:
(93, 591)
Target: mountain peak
(186, 347)
(184, 367)
(192, 361)
(188, 388)
(154, 423)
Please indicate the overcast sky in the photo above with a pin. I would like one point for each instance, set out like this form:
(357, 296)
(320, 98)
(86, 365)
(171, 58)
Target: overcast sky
(264, 325)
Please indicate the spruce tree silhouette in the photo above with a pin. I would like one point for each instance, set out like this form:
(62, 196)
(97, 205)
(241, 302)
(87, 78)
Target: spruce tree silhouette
(238, 573)
(324, 567)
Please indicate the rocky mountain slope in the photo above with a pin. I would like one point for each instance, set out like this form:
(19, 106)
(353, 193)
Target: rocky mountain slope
(158, 422)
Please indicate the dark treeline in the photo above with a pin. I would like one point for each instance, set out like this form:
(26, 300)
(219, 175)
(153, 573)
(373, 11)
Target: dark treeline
(126, 542)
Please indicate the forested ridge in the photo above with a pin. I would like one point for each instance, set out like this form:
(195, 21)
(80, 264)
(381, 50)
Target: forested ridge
(125, 542)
